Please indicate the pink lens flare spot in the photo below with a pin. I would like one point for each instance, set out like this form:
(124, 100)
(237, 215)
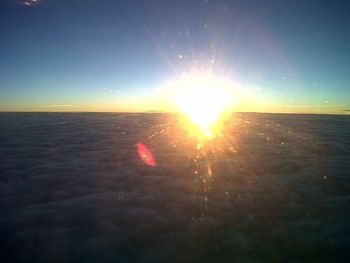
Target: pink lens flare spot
(146, 155)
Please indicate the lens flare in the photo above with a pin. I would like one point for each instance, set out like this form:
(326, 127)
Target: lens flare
(146, 155)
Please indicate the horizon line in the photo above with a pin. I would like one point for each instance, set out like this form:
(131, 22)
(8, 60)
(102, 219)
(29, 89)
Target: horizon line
(346, 113)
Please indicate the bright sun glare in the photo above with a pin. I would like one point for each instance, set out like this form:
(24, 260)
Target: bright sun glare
(203, 99)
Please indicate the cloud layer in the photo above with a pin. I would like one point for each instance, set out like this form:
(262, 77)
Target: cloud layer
(73, 189)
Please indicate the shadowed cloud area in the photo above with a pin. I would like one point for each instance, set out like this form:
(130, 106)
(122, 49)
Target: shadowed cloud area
(74, 189)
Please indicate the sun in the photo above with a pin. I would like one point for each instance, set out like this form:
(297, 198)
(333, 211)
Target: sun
(202, 99)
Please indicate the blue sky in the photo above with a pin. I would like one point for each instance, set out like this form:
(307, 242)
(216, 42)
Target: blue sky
(110, 55)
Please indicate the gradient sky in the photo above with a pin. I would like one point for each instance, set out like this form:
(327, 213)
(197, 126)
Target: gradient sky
(99, 55)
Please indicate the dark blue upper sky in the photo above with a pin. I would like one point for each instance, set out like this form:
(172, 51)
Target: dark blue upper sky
(87, 53)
